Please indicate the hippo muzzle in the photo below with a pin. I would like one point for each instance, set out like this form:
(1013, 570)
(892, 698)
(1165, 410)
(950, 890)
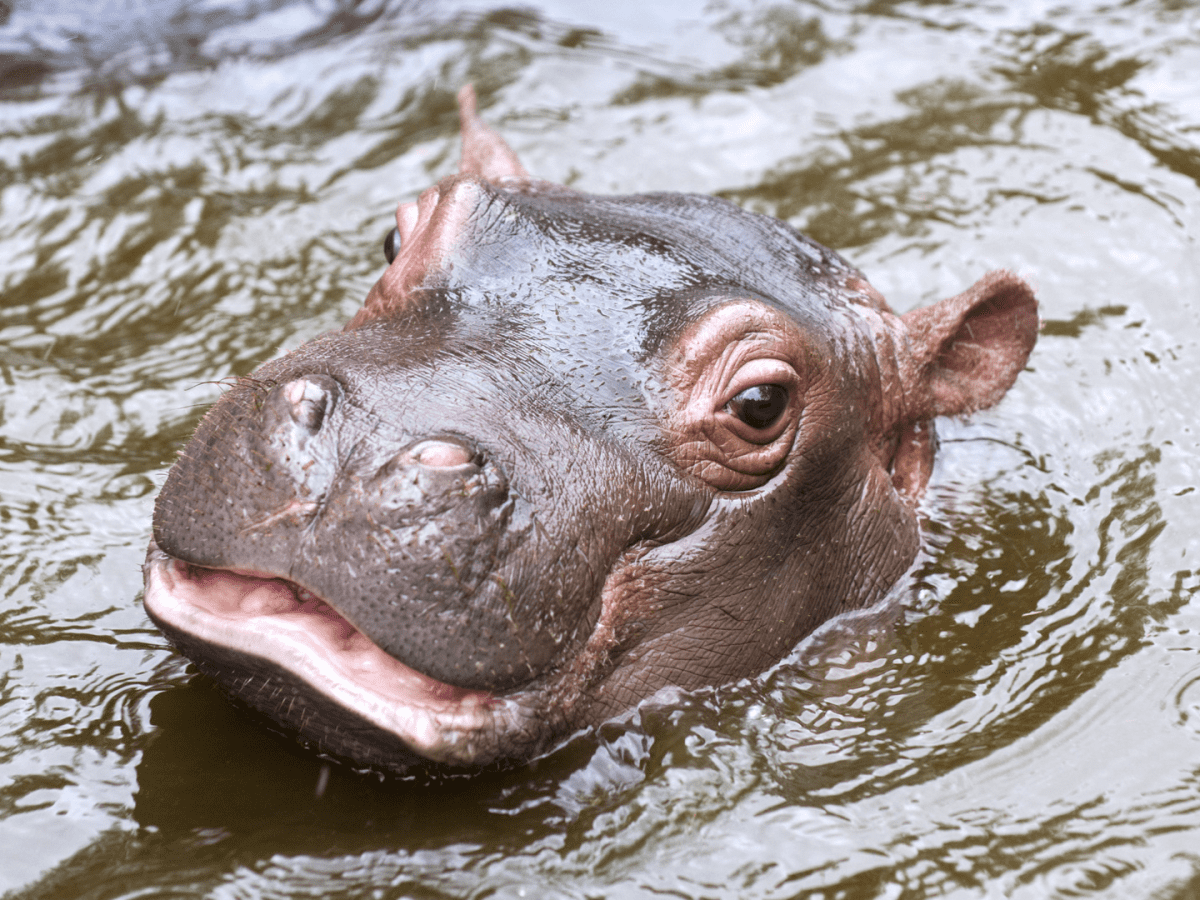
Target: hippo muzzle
(573, 450)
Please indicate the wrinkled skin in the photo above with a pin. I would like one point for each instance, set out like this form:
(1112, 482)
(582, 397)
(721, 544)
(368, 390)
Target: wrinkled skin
(572, 450)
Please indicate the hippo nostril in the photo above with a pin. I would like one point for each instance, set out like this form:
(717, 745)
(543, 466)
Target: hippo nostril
(309, 400)
(441, 454)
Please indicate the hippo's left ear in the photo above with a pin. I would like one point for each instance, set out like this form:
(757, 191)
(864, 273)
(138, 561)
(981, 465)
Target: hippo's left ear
(484, 152)
(968, 350)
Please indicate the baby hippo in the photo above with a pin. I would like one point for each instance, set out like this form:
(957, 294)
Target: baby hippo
(571, 451)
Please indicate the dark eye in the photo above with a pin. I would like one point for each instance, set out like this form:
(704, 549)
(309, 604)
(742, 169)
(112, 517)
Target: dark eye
(759, 406)
(391, 245)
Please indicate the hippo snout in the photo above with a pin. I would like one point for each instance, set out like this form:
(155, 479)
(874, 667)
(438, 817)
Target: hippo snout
(401, 526)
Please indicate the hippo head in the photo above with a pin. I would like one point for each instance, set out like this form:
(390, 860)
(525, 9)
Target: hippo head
(572, 450)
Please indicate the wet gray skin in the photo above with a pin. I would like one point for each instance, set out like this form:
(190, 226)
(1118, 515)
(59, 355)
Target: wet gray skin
(573, 450)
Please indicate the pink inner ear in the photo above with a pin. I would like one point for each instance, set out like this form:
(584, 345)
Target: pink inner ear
(484, 152)
(985, 338)
(969, 349)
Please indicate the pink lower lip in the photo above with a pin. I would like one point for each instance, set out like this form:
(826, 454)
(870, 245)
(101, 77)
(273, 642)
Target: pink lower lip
(267, 638)
(261, 603)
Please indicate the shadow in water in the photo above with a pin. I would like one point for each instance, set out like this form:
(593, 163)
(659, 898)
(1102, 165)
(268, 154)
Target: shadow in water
(217, 788)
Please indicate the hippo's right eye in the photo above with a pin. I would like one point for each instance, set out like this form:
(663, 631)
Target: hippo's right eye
(759, 406)
(391, 245)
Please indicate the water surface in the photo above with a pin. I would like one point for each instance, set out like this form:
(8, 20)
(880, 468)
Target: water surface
(188, 188)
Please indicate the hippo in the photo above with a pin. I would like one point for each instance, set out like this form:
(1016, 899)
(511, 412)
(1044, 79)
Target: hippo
(573, 452)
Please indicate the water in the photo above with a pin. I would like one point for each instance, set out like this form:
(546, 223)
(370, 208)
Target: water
(187, 188)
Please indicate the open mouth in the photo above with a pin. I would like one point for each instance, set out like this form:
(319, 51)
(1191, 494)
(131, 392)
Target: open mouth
(273, 620)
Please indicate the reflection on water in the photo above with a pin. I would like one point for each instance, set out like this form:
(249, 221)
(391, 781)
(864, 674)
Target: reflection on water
(187, 188)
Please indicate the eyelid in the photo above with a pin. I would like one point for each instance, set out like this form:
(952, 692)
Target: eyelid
(729, 349)
(756, 372)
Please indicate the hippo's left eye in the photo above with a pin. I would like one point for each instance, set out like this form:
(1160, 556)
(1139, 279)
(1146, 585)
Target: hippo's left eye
(759, 406)
(741, 376)
(391, 245)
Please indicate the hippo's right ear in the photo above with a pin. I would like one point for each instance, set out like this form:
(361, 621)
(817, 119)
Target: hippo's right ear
(968, 350)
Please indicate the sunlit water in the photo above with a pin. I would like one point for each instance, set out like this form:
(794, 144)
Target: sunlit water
(187, 188)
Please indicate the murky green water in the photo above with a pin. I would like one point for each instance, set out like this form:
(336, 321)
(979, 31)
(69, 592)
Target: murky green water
(186, 188)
